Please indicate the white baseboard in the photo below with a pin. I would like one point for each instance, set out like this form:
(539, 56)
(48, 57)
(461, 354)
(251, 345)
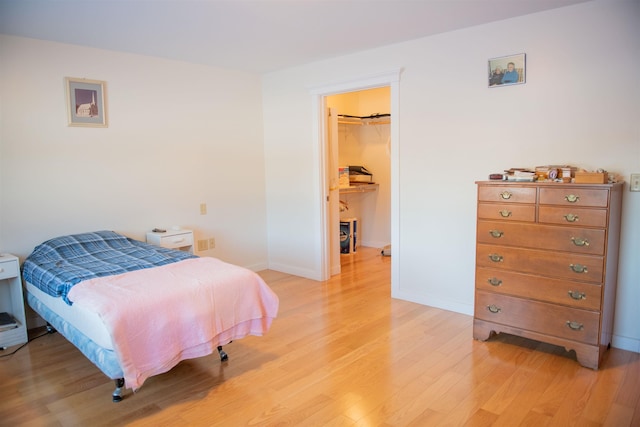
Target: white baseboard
(449, 305)
(289, 269)
(626, 343)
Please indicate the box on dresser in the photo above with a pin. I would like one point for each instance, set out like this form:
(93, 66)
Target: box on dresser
(546, 263)
(591, 177)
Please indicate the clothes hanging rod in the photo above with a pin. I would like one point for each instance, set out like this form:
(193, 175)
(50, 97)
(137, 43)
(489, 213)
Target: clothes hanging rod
(374, 119)
(373, 116)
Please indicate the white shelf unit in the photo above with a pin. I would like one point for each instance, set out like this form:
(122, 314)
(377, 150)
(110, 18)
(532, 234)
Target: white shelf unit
(12, 301)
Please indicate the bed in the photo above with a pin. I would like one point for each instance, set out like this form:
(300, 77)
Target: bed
(136, 310)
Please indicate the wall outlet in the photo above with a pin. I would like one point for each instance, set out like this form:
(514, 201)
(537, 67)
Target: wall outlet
(212, 243)
(203, 245)
(634, 184)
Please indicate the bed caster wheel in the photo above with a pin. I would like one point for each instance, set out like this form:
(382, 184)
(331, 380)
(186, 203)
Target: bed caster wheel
(117, 393)
(223, 355)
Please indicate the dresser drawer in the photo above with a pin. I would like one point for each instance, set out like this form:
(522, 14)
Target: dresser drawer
(567, 239)
(566, 292)
(506, 194)
(8, 269)
(584, 268)
(507, 212)
(575, 196)
(573, 216)
(550, 319)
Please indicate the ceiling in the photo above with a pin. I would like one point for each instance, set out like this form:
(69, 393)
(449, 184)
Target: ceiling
(252, 35)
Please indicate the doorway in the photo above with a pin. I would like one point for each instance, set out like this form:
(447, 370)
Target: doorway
(321, 128)
(359, 146)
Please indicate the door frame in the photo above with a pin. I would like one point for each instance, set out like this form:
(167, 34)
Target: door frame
(318, 94)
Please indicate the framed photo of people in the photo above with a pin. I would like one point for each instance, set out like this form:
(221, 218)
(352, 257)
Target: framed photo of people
(507, 70)
(86, 102)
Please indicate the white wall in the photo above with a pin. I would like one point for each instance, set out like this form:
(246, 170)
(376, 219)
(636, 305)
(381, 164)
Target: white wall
(179, 135)
(576, 108)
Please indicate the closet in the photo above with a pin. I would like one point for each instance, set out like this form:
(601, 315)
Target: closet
(364, 140)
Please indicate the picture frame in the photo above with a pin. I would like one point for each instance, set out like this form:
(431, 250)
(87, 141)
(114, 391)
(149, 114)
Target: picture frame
(86, 102)
(502, 69)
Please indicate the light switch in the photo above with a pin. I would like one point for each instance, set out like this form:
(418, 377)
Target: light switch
(634, 184)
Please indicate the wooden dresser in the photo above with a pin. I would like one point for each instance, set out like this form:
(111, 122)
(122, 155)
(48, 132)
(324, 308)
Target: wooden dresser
(546, 263)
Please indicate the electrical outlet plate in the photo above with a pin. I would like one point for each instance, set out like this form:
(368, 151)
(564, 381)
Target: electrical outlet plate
(203, 245)
(212, 243)
(634, 184)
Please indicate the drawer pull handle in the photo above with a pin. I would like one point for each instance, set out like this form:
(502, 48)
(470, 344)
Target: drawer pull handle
(494, 309)
(571, 198)
(578, 268)
(178, 240)
(494, 281)
(496, 233)
(577, 295)
(579, 241)
(1, 270)
(575, 326)
(505, 213)
(506, 195)
(496, 257)
(571, 217)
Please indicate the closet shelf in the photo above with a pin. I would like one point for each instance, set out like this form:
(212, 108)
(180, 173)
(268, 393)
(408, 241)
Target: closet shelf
(374, 119)
(362, 188)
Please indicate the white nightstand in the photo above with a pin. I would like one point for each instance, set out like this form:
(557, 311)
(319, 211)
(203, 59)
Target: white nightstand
(174, 239)
(12, 301)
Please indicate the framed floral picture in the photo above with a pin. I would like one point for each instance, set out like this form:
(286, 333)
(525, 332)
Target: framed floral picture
(507, 70)
(86, 102)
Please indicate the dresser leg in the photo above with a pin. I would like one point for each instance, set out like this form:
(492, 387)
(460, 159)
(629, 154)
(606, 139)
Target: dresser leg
(481, 330)
(589, 357)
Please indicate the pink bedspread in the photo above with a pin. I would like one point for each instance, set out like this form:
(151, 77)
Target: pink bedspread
(160, 316)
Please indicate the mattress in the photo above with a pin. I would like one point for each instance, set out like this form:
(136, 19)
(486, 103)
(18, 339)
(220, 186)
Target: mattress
(136, 310)
(56, 265)
(86, 322)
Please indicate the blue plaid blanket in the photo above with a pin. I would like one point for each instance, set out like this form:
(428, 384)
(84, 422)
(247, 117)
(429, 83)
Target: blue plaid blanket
(57, 264)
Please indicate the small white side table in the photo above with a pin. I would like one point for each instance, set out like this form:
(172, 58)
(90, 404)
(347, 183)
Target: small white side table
(12, 301)
(174, 239)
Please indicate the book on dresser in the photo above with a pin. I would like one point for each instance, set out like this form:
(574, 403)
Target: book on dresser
(546, 264)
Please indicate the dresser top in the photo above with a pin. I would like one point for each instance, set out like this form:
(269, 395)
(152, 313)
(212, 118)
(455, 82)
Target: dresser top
(546, 184)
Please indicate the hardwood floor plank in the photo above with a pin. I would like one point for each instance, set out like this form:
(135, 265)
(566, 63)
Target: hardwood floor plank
(574, 402)
(618, 415)
(481, 418)
(629, 392)
(340, 353)
(608, 382)
(551, 399)
(537, 372)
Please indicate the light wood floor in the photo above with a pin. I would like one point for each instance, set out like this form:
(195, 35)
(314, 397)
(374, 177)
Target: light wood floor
(340, 353)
